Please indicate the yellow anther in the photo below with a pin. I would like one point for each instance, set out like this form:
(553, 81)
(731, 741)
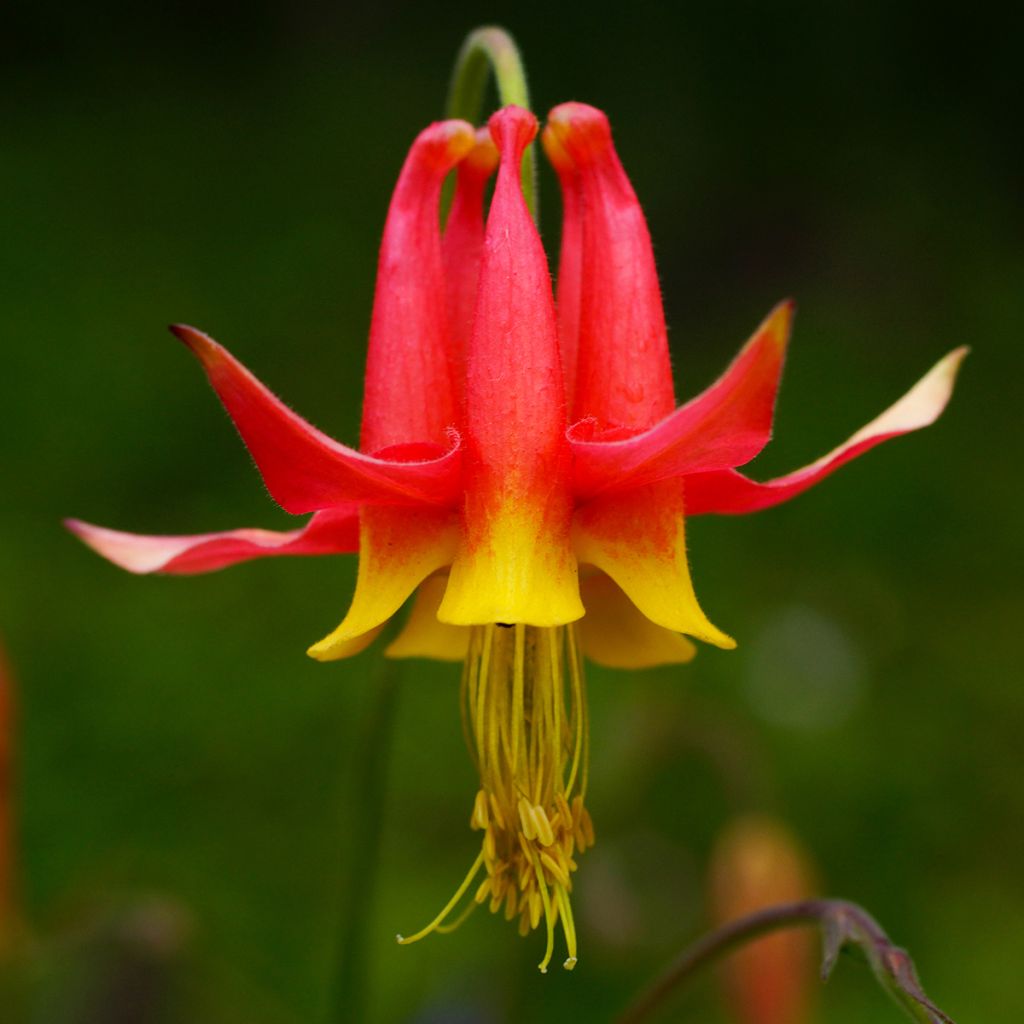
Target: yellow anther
(564, 812)
(479, 817)
(483, 890)
(535, 908)
(542, 826)
(577, 809)
(499, 818)
(555, 869)
(526, 819)
(587, 824)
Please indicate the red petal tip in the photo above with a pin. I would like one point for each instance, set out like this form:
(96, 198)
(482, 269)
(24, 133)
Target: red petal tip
(203, 347)
(581, 130)
(512, 129)
(482, 159)
(557, 155)
(446, 141)
(780, 320)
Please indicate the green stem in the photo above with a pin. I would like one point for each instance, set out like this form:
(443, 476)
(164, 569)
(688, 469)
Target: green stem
(842, 923)
(348, 1000)
(491, 50)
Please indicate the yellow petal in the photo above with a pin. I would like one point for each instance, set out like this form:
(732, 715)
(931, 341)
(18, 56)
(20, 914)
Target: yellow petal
(637, 538)
(615, 634)
(519, 568)
(423, 636)
(398, 548)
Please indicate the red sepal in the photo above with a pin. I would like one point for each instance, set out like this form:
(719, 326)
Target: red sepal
(725, 426)
(730, 493)
(304, 469)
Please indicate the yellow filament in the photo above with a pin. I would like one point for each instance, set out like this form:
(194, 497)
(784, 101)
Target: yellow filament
(517, 694)
(569, 927)
(549, 918)
(447, 929)
(449, 907)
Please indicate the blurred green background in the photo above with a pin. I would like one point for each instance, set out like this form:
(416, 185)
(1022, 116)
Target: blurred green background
(186, 776)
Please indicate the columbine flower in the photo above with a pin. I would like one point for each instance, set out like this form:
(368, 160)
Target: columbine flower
(523, 470)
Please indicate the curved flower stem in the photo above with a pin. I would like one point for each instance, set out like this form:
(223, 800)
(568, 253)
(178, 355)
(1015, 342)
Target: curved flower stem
(491, 49)
(842, 923)
(348, 997)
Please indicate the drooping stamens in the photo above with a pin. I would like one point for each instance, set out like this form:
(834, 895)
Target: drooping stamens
(525, 717)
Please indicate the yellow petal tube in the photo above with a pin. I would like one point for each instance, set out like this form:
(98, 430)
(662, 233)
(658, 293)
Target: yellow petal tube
(423, 636)
(613, 633)
(514, 566)
(638, 539)
(398, 549)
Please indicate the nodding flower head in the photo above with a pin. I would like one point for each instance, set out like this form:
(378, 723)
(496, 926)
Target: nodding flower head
(522, 474)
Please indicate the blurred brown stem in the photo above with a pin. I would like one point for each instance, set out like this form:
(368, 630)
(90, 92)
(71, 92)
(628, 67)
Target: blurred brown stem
(842, 923)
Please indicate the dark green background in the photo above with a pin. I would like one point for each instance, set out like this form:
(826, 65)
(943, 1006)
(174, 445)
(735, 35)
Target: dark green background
(231, 167)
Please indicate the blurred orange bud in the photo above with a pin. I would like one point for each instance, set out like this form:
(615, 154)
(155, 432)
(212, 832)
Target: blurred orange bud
(756, 863)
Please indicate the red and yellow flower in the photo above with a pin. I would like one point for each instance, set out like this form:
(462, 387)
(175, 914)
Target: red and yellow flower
(522, 468)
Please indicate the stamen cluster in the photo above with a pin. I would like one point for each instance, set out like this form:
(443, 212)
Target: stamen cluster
(525, 720)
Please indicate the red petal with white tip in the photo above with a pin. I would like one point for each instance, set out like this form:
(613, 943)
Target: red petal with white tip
(331, 532)
(730, 493)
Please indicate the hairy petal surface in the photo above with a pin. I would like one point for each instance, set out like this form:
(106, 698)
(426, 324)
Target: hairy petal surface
(637, 538)
(729, 492)
(304, 469)
(570, 260)
(409, 389)
(335, 531)
(462, 247)
(725, 426)
(515, 564)
(398, 549)
(623, 375)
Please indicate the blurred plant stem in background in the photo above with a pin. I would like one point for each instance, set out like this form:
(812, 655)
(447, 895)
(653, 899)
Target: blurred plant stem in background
(9, 909)
(364, 824)
(842, 924)
(491, 50)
